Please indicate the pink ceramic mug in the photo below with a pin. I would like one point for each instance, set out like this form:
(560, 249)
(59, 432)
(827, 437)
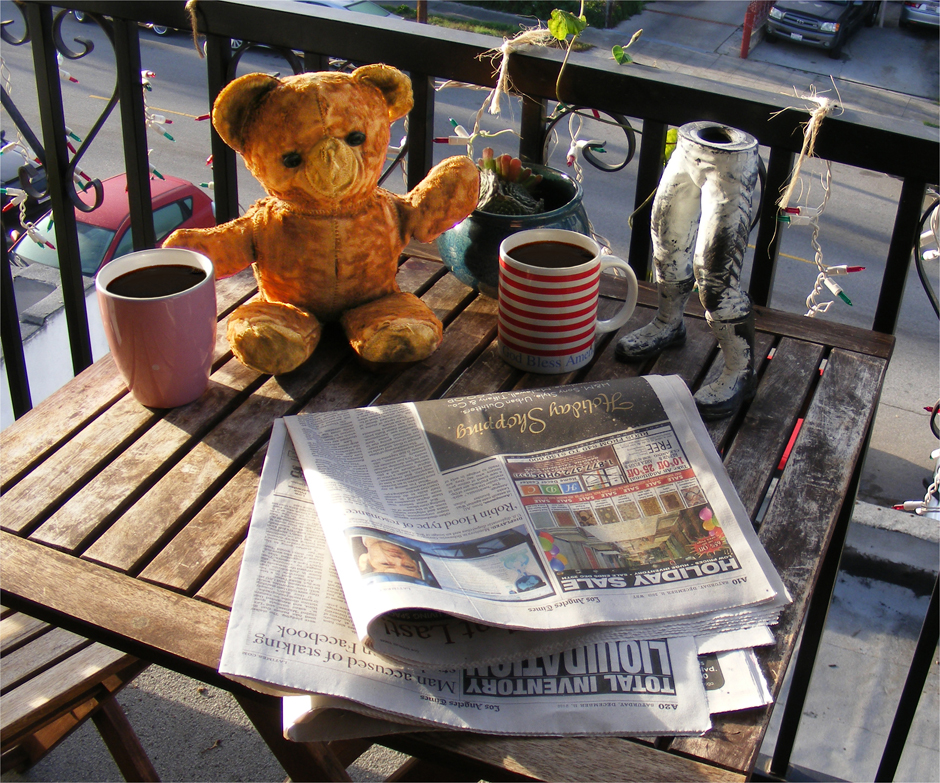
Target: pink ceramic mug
(548, 285)
(159, 314)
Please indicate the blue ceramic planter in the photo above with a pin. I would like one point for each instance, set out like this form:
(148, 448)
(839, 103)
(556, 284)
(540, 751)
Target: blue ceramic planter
(471, 248)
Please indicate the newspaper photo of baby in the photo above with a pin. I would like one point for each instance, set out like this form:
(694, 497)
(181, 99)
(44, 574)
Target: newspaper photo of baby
(380, 559)
(502, 565)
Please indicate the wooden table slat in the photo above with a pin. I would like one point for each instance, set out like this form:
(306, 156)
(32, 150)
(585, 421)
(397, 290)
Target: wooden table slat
(829, 333)
(27, 661)
(220, 588)
(142, 464)
(760, 442)
(797, 529)
(198, 548)
(53, 421)
(721, 430)
(57, 418)
(68, 680)
(48, 582)
(93, 447)
(565, 758)
(128, 542)
(18, 629)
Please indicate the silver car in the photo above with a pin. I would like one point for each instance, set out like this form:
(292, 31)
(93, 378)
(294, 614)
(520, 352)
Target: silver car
(924, 13)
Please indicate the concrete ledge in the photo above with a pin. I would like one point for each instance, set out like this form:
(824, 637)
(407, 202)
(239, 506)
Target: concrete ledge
(893, 546)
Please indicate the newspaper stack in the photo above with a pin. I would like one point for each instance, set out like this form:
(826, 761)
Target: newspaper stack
(456, 563)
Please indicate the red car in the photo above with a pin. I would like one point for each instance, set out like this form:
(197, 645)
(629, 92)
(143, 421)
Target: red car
(105, 233)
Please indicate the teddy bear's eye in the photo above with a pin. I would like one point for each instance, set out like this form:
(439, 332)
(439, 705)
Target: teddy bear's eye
(355, 138)
(291, 159)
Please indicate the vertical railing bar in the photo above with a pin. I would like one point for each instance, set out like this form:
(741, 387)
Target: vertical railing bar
(903, 241)
(52, 121)
(769, 234)
(649, 171)
(532, 129)
(133, 127)
(224, 161)
(313, 61)
(917, 674)
(420, 129)
(11, 340)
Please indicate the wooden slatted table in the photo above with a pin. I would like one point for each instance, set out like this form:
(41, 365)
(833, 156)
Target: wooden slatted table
(126, 525)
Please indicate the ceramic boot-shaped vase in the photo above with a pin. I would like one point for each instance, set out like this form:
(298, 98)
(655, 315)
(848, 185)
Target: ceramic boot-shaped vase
(667, 328)
(737, 382)
(699, 227)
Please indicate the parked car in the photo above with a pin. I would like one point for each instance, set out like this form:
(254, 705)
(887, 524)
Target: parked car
(826, 25)
(925, 13)
(360, 6)
(159, 29)
(104, 233)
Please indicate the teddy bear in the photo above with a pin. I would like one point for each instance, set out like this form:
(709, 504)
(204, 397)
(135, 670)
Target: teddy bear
(324, 243)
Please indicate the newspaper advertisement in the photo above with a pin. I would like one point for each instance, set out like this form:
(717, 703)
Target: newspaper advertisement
(464, 529)
(291, 633)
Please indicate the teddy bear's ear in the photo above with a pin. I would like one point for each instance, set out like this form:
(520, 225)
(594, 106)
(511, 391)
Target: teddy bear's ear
(395, 86)
(236, 103)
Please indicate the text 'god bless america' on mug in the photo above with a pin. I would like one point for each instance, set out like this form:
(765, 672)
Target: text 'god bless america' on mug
(548, 284)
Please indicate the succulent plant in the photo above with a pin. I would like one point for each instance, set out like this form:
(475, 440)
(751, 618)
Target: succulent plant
(506, 186)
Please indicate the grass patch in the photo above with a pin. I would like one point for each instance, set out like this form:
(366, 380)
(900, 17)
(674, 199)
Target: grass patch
(483, 28)
(495, 29)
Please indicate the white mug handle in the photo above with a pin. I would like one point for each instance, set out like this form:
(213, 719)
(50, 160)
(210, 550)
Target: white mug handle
(612, 324)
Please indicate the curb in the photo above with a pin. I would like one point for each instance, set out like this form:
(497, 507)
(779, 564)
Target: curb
(893, 546)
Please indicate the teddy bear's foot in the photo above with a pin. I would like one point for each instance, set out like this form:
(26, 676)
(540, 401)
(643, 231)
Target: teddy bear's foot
(398, 328)
(272, 338)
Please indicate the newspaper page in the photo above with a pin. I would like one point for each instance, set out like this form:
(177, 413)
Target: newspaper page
(291, 633)
(461, 526)
(734, 681)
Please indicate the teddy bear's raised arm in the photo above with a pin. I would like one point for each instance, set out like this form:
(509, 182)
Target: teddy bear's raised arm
(228, 246)
(443, 198)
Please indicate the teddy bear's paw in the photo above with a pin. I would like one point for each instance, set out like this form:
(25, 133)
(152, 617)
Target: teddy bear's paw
(272, 338)
(400, 341)
(398, 328)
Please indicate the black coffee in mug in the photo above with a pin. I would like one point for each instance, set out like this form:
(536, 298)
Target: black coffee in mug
(150, 282)
(551, 255)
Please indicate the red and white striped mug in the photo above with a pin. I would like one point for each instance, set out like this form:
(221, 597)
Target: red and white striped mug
(548, 284)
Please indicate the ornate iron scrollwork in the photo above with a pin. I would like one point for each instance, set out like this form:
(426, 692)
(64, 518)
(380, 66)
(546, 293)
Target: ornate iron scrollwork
(86, 47)
(289, 56)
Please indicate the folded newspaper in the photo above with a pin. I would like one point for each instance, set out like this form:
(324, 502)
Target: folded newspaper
(556, 547)
(464, 529)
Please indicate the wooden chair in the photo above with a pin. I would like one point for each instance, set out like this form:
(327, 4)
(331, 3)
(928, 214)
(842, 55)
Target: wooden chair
(51, 681)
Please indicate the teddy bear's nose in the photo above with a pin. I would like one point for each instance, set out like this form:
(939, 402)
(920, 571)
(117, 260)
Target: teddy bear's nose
(333, 167)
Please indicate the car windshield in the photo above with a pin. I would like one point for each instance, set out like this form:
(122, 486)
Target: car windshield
(93, 242)
(366, 7)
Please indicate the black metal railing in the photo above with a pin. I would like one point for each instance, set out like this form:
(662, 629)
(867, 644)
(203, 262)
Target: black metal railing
(659, 99)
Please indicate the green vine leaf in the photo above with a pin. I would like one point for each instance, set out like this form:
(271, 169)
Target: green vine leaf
(672, 139)
(564, 23)
(620, 55)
